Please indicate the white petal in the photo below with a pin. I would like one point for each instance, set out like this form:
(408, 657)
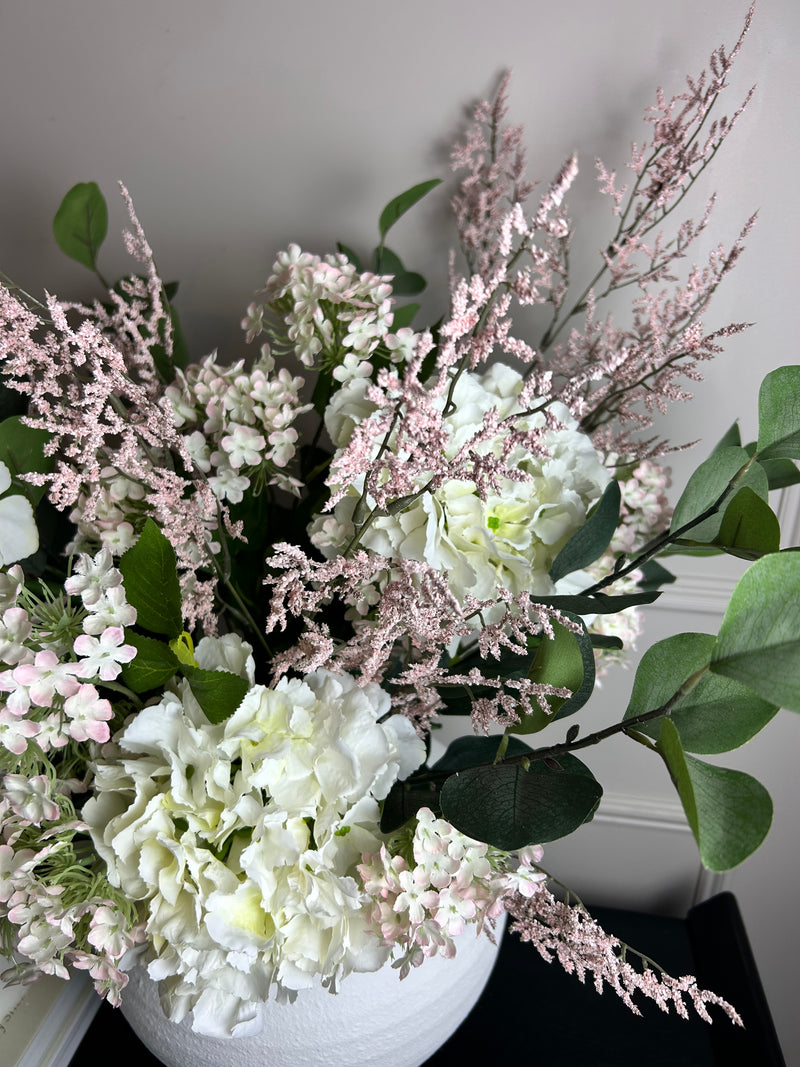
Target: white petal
(19, 537)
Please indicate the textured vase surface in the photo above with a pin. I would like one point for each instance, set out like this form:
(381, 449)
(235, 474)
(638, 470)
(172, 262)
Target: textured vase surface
(375, 1020)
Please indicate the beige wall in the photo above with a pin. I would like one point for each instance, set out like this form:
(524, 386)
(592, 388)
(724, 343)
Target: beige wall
(239, 127)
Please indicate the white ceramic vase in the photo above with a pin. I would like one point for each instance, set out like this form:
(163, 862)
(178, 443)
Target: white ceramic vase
(374, 1020)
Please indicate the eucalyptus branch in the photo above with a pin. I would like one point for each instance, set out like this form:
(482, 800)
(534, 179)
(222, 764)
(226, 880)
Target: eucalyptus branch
(670, 536)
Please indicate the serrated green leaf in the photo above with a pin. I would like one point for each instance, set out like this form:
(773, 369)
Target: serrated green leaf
(707, 484)
(590, 541)
(154, 665)
(749, 528)
(717, 715)
(509, 807)
(22, 451)
(728, 811)
(150, 576)
(779, 415)
(219, 693)
(565, 661)
(81, 223)
(401, 204)
(759, 639)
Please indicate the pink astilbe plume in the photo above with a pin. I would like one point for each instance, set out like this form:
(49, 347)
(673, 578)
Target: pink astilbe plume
(611, 376)
(415, 616)
(567, 933)
(496, 238)
(80, 391)
(615, 377)
(137, 317)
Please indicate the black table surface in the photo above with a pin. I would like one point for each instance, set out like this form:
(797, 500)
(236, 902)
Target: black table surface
(533, 1011)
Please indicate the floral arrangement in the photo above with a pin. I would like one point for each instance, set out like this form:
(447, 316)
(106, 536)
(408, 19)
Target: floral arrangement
(237, 599)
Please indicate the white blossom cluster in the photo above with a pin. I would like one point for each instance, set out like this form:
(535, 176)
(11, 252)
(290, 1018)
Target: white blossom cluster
(429, 892)
(238, 422)
(242, 839)
(53, 655)
(327, 306)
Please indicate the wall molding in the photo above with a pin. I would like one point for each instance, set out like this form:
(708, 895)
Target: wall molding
(642, 812)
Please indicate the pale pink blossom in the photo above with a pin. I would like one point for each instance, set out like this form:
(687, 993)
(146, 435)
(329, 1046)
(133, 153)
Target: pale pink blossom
(104, 656)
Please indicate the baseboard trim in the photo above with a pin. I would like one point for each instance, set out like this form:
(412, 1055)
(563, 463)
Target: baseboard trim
(45, 1028)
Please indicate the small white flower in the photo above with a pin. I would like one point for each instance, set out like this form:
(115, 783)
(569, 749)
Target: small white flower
(89, 715)
(112, 609)
(31, 798)
(92, 577)
(244, 446)
(119, 538)
(15, 732)
(15, 629)
(104, 656)
(226, 483)
(352, 367)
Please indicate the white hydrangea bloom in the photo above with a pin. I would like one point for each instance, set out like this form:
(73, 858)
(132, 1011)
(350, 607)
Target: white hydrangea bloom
(243, 838)
(508, 540)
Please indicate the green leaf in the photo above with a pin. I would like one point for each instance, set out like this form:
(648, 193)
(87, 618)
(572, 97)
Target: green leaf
(509, 807)
(597, 603)
(779, 415)
(567, 660)
(403, 316)
(654, 576)
(385, 261)
(759, 639)
(323, 390)
(150, 576)
(729, 811)
(749, 529)
(219, 693)
(707, 484)
(606, 641)
(404, 282)
(470, 751)
(732, 438)
(81, 223)
(718, 714)
(401, 204)
(781, 473)
(404, 801)
(22, 451)
(351, 255)
(180, 351)
(154, 665)
(409, 283)
(590, 541)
